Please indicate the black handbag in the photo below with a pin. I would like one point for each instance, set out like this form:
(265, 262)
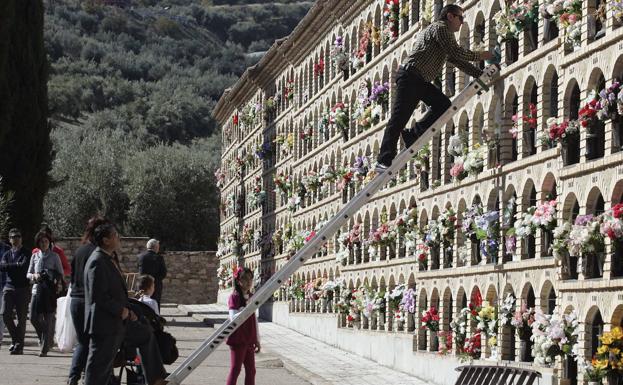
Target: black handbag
(167, 345)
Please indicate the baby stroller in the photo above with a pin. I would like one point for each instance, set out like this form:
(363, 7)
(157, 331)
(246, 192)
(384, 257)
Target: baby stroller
(128, 357)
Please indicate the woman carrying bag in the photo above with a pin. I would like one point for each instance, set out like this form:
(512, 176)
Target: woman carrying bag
(44, 271)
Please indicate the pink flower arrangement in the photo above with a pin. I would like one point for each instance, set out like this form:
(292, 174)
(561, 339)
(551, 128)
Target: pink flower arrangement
(457, 170)
(545, 214)
(354, 236)
(383, 235)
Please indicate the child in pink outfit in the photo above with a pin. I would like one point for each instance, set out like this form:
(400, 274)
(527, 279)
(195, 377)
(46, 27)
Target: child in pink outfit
(244, 342)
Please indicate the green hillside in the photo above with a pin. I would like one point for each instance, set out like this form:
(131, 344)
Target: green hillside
(128, 77)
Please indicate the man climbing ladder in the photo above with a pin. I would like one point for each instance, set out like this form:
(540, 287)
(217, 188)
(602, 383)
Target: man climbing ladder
(332, 226)
(433, 46)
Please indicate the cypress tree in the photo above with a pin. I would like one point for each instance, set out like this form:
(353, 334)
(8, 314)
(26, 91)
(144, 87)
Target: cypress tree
(25, 147)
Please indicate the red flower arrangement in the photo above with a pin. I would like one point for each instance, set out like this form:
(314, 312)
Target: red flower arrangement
(430, 319)
(588, 113)
(473, 345)
(319, 68)
(617, 211)
(475, 304)
(561, 131)
(529, 119)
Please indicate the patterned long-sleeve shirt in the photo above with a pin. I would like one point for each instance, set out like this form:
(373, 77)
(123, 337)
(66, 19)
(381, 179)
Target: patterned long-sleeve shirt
(433, 46)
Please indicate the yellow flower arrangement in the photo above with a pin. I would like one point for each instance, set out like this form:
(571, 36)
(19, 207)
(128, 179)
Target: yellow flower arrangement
(610, 354)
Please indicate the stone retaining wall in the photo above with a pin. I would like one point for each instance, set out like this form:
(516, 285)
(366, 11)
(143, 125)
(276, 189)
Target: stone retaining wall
(191, 275)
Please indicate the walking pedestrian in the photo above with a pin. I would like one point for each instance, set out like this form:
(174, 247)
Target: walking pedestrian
(76, 306)
(15, 294)
(45, 271)
(58, 250)
(108, 318)
(245, 341)
(433, 47)
(152, 263)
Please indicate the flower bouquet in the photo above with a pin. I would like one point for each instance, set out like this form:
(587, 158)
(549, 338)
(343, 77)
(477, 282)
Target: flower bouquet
(380, 94)
(283, 183)
(312, 181)
(487, 319)
(567, 14)
(430, 319)
(611, 102)
(288, 90)
(220, 178)
(391, 15)
(528, 119)
(561, 130)
(338, 117)
(338, 54)
(522, 321)
(609, 357)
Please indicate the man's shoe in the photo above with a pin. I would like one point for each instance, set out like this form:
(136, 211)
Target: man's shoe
(17, 352)
(11, 348)
(160, 381)
(380, 168)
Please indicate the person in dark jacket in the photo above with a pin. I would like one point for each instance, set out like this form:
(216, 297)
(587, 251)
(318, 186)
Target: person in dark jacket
(16, 291)
(152, 263)
(76, 306)
(433, 46)
(108, 318)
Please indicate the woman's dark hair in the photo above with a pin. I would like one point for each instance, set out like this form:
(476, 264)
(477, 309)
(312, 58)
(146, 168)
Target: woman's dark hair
(450, 8)
(245, 271)
(103, 231)
(39, 237)
(46, 229)
(90, 228)
(144, 283)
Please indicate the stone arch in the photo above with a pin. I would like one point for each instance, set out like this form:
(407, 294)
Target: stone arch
(617, 193)
(594, 324)
(549, 93)
(492, 295)
(548, 188)
(617, 316)
(548, 297)
(527, 295)
(572, 99)
(570, 207)
(595, 202)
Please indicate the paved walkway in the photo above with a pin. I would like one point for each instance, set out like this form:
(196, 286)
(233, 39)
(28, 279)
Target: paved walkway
(29, 369)
(311, 359)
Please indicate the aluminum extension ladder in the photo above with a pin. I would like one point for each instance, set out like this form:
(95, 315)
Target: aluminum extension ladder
(314, 245)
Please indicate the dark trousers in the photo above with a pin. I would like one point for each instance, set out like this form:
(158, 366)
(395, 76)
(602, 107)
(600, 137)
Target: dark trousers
(411, 88)
(102, 351)
(15, 301)
(44, 325)
(81, 351)
(242, 355)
